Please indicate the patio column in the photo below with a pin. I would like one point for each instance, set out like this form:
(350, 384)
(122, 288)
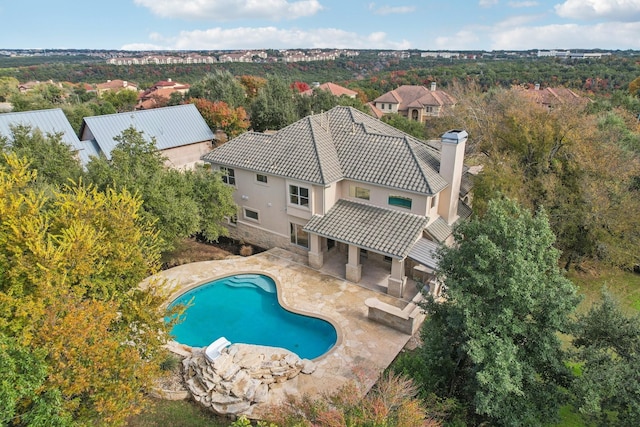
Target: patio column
(354, 268)
(397, 280)
(316, 258)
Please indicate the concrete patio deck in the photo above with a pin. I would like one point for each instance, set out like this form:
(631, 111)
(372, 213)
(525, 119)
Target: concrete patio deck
(364, 348)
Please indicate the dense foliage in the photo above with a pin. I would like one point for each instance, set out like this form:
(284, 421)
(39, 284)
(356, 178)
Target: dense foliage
(78, 337)
(493, 343)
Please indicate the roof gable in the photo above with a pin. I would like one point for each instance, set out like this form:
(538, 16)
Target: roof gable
(171, 127)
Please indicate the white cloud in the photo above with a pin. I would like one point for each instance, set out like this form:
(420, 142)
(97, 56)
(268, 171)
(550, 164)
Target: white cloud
(269, 37)
(569, 36)
(462, 40)
(228, 10)
(388, 10)
(613, 10)
(518, 4)
(488, 3)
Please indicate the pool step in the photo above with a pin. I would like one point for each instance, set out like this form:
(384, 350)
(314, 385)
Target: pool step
(251, 280)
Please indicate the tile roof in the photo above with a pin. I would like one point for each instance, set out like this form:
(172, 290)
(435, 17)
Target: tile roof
(334, 89)
(440, 230)
(425, 252)
(342, 143)
(387, 231)
(171, 127)
(416, 96)
(51, 121)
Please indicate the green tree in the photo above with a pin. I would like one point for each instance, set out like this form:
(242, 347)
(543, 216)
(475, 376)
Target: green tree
(274, 107)
(170, 198)
(402, 123)
(220, 85)
(122, 100)
(8, 88)
(54, 159)
(607, 346)
(493, 342)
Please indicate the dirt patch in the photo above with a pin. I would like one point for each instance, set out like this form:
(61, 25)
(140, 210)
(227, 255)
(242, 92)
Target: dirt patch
(194, 250)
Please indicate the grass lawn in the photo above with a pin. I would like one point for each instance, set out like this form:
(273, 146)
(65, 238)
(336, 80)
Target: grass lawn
(178, 413)
(625, 286)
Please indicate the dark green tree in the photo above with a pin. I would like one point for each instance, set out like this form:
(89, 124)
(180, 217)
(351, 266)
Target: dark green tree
(274, 107)
(493, 342)
(220, 85)
(608, 352)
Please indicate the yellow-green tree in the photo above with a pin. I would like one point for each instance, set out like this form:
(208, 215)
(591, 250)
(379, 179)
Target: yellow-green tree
(71, 263)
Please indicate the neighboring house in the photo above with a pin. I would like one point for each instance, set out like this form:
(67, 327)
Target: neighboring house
(552, 97)
(343, 180)
(414, 102)
(332, 88)
(115, 86)
(180, 132)
(159, 94)
(49, 122)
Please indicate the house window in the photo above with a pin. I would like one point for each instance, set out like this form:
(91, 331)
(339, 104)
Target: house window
(382, 106)
(299, 196)
(429, 109)
(359, 192)
(251, 214)
(261, 178)
(299, 236)
(433, 202)
(402, 202)
(228, 176)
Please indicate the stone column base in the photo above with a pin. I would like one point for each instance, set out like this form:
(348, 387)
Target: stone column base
(354, 272)
(396, 286)
(316, 260)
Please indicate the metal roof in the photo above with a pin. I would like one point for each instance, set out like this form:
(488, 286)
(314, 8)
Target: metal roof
(342, 143)
(51, 121)
(171, 127)
(387, 231)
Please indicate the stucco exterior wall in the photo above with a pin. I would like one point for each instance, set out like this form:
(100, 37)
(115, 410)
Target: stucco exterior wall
(187, 156)
(379, 196)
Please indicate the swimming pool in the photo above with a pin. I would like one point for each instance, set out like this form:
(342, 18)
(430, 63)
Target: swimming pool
(244, 308)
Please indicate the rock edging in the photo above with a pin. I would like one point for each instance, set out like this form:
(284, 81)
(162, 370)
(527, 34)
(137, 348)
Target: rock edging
(241, 377)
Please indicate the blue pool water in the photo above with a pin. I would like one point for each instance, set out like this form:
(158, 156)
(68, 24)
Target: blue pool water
(245, 309)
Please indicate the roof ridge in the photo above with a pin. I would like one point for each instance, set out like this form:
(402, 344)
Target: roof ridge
(312, 127)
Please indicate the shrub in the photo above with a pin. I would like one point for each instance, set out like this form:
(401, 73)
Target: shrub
(246, 250)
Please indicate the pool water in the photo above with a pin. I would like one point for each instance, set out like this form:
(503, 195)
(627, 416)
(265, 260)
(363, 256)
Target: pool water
(245, 309)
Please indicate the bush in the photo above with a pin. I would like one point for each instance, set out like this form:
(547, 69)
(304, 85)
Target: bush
(246, 250)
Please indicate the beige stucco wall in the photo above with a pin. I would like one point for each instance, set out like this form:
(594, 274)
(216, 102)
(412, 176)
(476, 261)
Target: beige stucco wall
(379, 196)
(187, 156)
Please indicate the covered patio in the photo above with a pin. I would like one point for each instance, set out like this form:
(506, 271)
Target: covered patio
(352, 235)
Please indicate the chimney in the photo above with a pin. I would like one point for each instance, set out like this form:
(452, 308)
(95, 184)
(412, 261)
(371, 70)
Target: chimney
(433, 86)
(537, 86)
(169, 79)
(451, 166)
(124, 83)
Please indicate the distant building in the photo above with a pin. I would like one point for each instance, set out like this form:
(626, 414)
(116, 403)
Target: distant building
(332, 88)
(414, 102)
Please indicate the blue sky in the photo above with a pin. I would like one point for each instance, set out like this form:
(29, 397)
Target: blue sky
(285, 24)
